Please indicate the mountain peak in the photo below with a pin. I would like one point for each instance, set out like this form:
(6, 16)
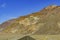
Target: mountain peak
(51, 7)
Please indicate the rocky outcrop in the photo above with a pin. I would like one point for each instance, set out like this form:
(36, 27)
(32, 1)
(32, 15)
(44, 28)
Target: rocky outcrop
(46, 21)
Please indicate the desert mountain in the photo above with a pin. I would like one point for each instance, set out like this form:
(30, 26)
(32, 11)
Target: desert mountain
(46, 21)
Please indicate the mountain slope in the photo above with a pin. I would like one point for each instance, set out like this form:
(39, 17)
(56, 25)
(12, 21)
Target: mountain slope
(47, 21)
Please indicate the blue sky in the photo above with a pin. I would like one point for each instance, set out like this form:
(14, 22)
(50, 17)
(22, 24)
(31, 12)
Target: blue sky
(14, 8)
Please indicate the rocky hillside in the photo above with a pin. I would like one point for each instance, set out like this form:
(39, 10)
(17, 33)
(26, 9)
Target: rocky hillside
(47, 21)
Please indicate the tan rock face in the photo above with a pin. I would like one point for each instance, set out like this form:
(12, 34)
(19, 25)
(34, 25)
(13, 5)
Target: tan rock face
(47, 21)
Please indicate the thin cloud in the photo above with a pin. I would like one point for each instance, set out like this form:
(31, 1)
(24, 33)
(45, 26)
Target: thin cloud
(3, 5)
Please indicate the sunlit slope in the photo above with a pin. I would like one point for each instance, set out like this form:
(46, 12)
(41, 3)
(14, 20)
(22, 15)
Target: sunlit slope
(44, 22)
